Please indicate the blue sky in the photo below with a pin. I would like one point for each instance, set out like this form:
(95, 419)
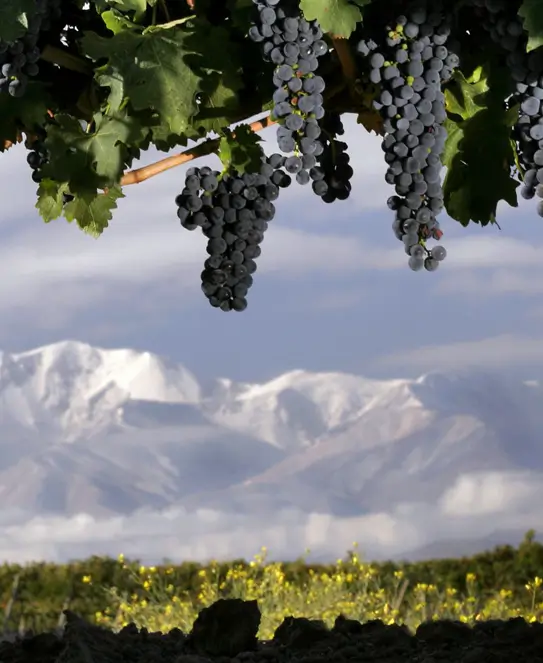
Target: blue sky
(332, 290)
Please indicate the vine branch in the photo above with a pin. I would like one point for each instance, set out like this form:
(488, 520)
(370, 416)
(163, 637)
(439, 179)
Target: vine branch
(65, 59)
(207, 147)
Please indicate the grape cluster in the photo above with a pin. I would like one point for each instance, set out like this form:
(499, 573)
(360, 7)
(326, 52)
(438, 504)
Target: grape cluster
(38, 157)
(233, 211)
(294, 45)
(332, 174)
(19, 59)
(506, 29)
(410, 63)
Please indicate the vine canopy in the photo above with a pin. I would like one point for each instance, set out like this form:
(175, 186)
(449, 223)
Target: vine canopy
(118, 76)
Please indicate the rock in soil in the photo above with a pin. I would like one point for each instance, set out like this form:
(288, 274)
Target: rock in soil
(226, 632)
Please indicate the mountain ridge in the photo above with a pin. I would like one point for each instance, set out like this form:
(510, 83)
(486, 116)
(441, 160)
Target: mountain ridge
(109, 432)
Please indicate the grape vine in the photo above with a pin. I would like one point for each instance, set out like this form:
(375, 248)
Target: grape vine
(86, 88)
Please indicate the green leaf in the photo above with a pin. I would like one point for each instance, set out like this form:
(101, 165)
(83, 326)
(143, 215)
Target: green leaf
(27, 111)
(338, 17)
(93, 211)
(50, 199)
(137, 6)
(478, 153)
(241, 152)
(465, 98)
(532, 13)
(165, 69)
(154, 70)
(115, 84)
(14, 15)
(219, 95)
(90, 161)
(116, 22)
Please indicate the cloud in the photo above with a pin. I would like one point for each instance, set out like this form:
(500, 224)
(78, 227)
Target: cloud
(145, 261)
(503, 351)
(477, 252)
(499, 282)
(155, 251)
(336, 300)
(55, 271)
(461, 513)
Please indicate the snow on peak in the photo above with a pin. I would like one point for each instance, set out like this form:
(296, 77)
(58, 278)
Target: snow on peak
(296, 406)
(70, 386)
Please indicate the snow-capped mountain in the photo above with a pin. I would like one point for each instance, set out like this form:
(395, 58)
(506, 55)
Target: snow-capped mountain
(113, 432)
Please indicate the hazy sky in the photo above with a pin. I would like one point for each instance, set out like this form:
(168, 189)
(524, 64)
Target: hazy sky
(332, 290)
(495, 507)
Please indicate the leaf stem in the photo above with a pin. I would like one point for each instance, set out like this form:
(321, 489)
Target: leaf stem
(170, 24)
(165, 10)
(207, 147)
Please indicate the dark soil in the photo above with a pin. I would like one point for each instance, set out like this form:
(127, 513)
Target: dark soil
(226, 632)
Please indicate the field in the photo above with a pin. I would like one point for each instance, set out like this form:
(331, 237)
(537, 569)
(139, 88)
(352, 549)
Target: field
(257, 614)
(354, 592)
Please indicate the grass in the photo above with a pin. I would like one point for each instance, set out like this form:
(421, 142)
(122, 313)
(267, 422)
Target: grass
(353, 589)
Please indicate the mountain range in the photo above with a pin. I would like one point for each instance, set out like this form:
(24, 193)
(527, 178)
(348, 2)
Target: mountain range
(108, 433)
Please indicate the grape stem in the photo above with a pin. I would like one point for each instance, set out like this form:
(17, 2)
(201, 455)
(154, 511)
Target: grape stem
(207, 147)
(346, 60)
(350, 71)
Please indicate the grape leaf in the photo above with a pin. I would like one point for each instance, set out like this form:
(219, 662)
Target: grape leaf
(165, 69)
(371, 120)
(27, 111)
(115, 84)
(241, 150)
(368, 117)
(532, 13)
(137, 6)
(94, 160)
(14, 18)
(338, 17)
(478, 153)
(217, 107)
(50, 199)
(116, 22)
(93, 211)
